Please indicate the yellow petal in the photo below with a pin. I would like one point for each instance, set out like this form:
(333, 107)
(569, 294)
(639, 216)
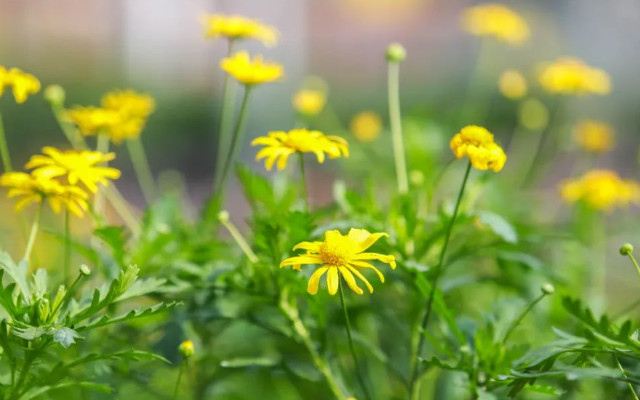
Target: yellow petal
(351, 281)
(312, 286)
(362, 278)
(333, 280)
(363, 264)
(304, 259)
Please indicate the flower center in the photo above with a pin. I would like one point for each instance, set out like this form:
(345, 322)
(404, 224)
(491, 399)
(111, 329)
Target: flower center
(333, 255)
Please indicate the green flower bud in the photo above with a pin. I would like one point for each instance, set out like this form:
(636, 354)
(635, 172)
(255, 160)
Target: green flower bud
(54, 94)
(548, 288)
(396, 53)
(223, 216)
(626, 249)
(85, 270)
(186, 349)
(43, 311)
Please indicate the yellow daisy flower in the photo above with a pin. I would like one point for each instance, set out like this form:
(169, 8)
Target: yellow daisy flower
(366, 126)
(594, 136)
(280, 145)
(21, 83)
(477, 143)
(340, 255)
(32, 189)
(601, 190)
(251, 71)
(497, 21)
(130, 103)
(235, 27)
(572, 76)
(76, 166)
(309, 102)
(101, 121)
(512, 84)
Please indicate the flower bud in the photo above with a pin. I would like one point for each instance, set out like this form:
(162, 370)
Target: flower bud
(223, 216)
(547, 288)
(43, 311)
(396, 53)
(85, 270)
(54, 94)
(186, 349)
(626, 249)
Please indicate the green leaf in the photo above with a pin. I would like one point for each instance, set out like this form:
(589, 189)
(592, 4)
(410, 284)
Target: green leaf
(115, 238)
(499, 226)
(131, 315)
(242, 362)
(18, 273)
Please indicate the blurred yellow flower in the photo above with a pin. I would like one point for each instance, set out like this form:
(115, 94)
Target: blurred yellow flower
(31, 189)
(75, 166)
(572, 76)
(594, 136)
(342, 254)
(309, 102)
(186, 348)
(601, 190)
(533, 114)
(130, 103)
(497, 21)
(22, 84)
(251, 71)
(512, 84)
(235, 27)
(280, 145)
(477, 143)
(101, 121)
(366, 126)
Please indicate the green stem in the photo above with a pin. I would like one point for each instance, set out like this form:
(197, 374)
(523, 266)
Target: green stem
(4, 149)
(303, 182)
(183, 365)
(524, 313)
(122, 208)
(635, 263)
(29, 358)
(34, 232)
(240, 240)
(142, 169)
(351, 346)
(73, 136)
(237, 137)
(67, 246)
(396, 126)
(99, 203)
(434, 285)
(626, 379)
(226, 120)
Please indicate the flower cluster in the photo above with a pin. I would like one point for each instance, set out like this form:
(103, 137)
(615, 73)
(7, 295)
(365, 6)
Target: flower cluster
(497, 21)
(235, 27)
(601, 190)
(366, 126)
(280, 145)
(56, 177)
(22, 84)
(340, 255)
(594, 136)
(572, 76)
(122, 115)
(477, 143)
(309, 102)
(251, 71)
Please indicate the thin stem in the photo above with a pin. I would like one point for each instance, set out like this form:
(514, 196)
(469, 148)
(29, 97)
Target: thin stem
(67, 246)
(142, 169)
(303, 182)
(626, 378)
(4, 149)
(226, 120)
(183, 365)
(237, 137)
(396, 126)
(122, 208)
(73, 136)
(434, 285)
(524, 313)
(635, 263)
(99, 203)
(351, 346)
(34, 232)
(237, 236)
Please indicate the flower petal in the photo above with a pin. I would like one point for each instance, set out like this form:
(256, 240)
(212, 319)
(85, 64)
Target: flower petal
(351, 281)
(389, 259)
(333, 280)
(303, 259)
(312, 286)
(363, 264)
(362, 278)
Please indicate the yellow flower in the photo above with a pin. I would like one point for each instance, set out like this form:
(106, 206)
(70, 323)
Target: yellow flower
(572, 76)
(31, 189)
(309, 102)
(130, 103)
(594, 136)
(533, 114)
(280, 145)
(512, 84)
(96, 121)
(601, 190)
(186, 348)
(21, 83)
(75, 166)
(251, 72)
(235, 27)
(342, 254)
(477, 143)
(366, 126)
(497, 21)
